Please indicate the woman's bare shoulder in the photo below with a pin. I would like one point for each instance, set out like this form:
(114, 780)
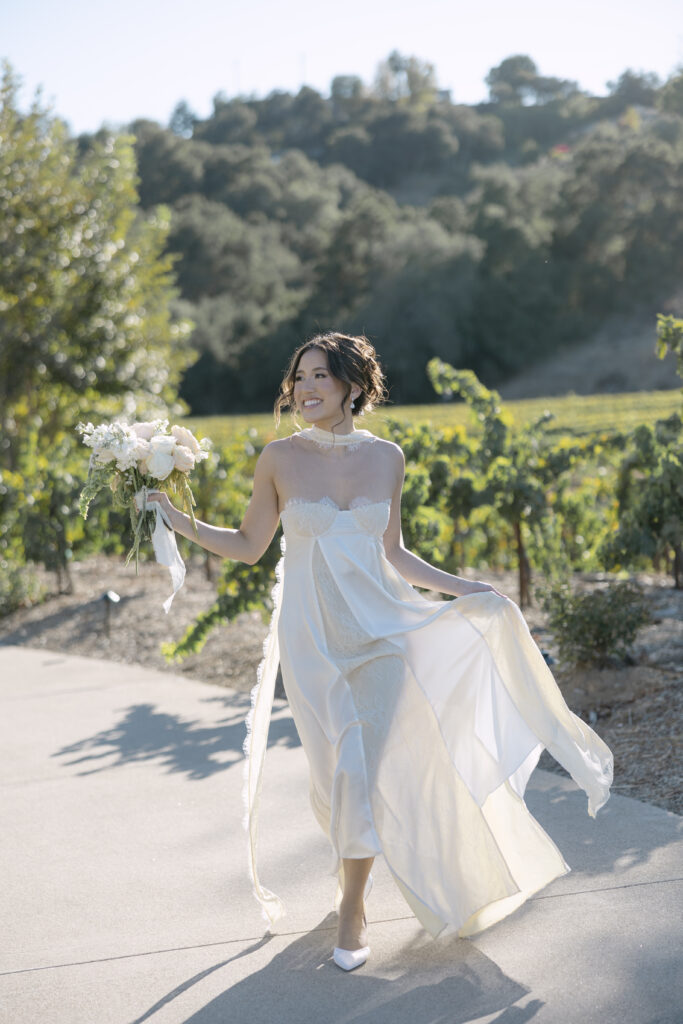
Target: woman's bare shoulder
(391, 450)
(276, 452)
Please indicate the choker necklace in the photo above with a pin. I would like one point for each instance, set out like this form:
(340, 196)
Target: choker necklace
(327, 439)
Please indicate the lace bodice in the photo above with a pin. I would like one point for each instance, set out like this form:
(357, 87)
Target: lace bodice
(308, 517)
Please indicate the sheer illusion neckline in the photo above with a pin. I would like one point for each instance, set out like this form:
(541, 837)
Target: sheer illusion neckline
(326, 440)
(359, 502)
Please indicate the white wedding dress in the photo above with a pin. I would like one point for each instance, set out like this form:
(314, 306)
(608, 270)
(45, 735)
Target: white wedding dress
(422, 721)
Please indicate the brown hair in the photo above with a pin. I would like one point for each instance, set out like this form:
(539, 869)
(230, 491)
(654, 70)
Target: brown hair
(351, 360)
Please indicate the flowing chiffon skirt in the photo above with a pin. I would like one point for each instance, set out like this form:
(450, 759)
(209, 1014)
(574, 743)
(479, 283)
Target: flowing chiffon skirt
(421, 720)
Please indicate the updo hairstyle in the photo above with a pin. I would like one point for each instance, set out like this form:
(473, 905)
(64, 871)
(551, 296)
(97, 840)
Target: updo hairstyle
(352, 360)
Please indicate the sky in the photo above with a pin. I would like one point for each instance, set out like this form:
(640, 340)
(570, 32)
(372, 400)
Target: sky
(111, 62)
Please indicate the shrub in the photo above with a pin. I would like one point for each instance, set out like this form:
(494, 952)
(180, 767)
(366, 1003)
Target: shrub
(596, 628)
(19, 586)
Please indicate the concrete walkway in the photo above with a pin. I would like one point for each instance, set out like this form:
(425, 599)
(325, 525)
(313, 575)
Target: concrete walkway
(125, 896)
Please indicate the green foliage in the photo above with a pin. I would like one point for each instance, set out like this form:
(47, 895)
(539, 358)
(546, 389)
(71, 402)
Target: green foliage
(578, 415)
(85, 300)
(670, 338)
(516, 80)
(596, 628)
(523, 474)
(19, 586)
(86, 289)
(481, 236)
(241, 588)
(649, 492)
(670, 98)
(487, 236)
(408, 79)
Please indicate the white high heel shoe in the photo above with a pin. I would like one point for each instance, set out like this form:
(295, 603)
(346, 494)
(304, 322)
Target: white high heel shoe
(349, 959)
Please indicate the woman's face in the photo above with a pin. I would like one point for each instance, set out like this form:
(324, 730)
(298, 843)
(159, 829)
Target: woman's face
(317, 394)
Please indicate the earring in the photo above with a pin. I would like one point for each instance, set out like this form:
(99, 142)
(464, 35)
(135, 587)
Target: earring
(353, 403)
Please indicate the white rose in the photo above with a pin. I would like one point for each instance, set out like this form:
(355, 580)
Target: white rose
(163, 443)
(142, 449)
(158, 464)
(183, 458)
(186, 437)
(144, 430)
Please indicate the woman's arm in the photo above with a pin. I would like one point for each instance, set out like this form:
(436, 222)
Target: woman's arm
(249, 542)
(413, 568)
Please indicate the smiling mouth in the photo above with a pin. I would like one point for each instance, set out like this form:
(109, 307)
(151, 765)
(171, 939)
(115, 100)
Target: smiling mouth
(311, 402)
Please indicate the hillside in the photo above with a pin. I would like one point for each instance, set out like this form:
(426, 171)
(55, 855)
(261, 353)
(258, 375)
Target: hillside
(620, 357)
(493, 236)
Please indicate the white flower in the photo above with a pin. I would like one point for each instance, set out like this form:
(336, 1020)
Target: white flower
(183, 459)
(113, 442)
(103, 455)
(144, 430)
(126, 456)
(186, 437)
(163, 443)
(148, 428)
(142, 449)
(145, 445)
(160, 461)
(158, 464)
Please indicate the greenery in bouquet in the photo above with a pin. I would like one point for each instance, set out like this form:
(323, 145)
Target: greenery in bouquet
(127, 459)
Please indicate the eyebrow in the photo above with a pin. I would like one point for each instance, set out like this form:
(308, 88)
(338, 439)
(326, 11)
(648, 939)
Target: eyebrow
(314, 369)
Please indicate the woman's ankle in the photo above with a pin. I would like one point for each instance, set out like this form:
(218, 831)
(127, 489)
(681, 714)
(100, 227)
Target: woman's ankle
(351, 905)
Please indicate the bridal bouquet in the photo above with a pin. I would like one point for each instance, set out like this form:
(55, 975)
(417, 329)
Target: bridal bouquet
(130, 460)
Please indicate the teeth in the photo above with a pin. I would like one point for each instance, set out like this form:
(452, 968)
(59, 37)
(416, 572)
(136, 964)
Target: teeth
(312, 401)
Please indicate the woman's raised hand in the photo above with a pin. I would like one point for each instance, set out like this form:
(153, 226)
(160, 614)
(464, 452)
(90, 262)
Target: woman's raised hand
(477, 587)
(159, 496)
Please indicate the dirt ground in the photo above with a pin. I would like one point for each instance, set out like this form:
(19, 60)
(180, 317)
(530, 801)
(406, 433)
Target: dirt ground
(637, 709)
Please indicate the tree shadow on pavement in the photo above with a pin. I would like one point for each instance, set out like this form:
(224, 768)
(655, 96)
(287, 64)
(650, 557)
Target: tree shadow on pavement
(194, 747)
(623, 837)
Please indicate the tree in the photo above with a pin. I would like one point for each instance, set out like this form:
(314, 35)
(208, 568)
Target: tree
(347, 94)
(619, 234)
(182, 120)
(650, 482)
(406, 79)
(233, 121)
(512, 81)
(650, 497)
(670, 98)
(516, 81)
(169, 165)
(85, 288)
(635, 88)
(86, 327)
(518, 468)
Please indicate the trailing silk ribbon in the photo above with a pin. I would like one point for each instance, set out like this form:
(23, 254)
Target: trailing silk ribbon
(164, 543)
(256, 743)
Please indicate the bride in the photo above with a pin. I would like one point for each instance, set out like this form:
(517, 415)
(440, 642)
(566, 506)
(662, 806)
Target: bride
(422, 720)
